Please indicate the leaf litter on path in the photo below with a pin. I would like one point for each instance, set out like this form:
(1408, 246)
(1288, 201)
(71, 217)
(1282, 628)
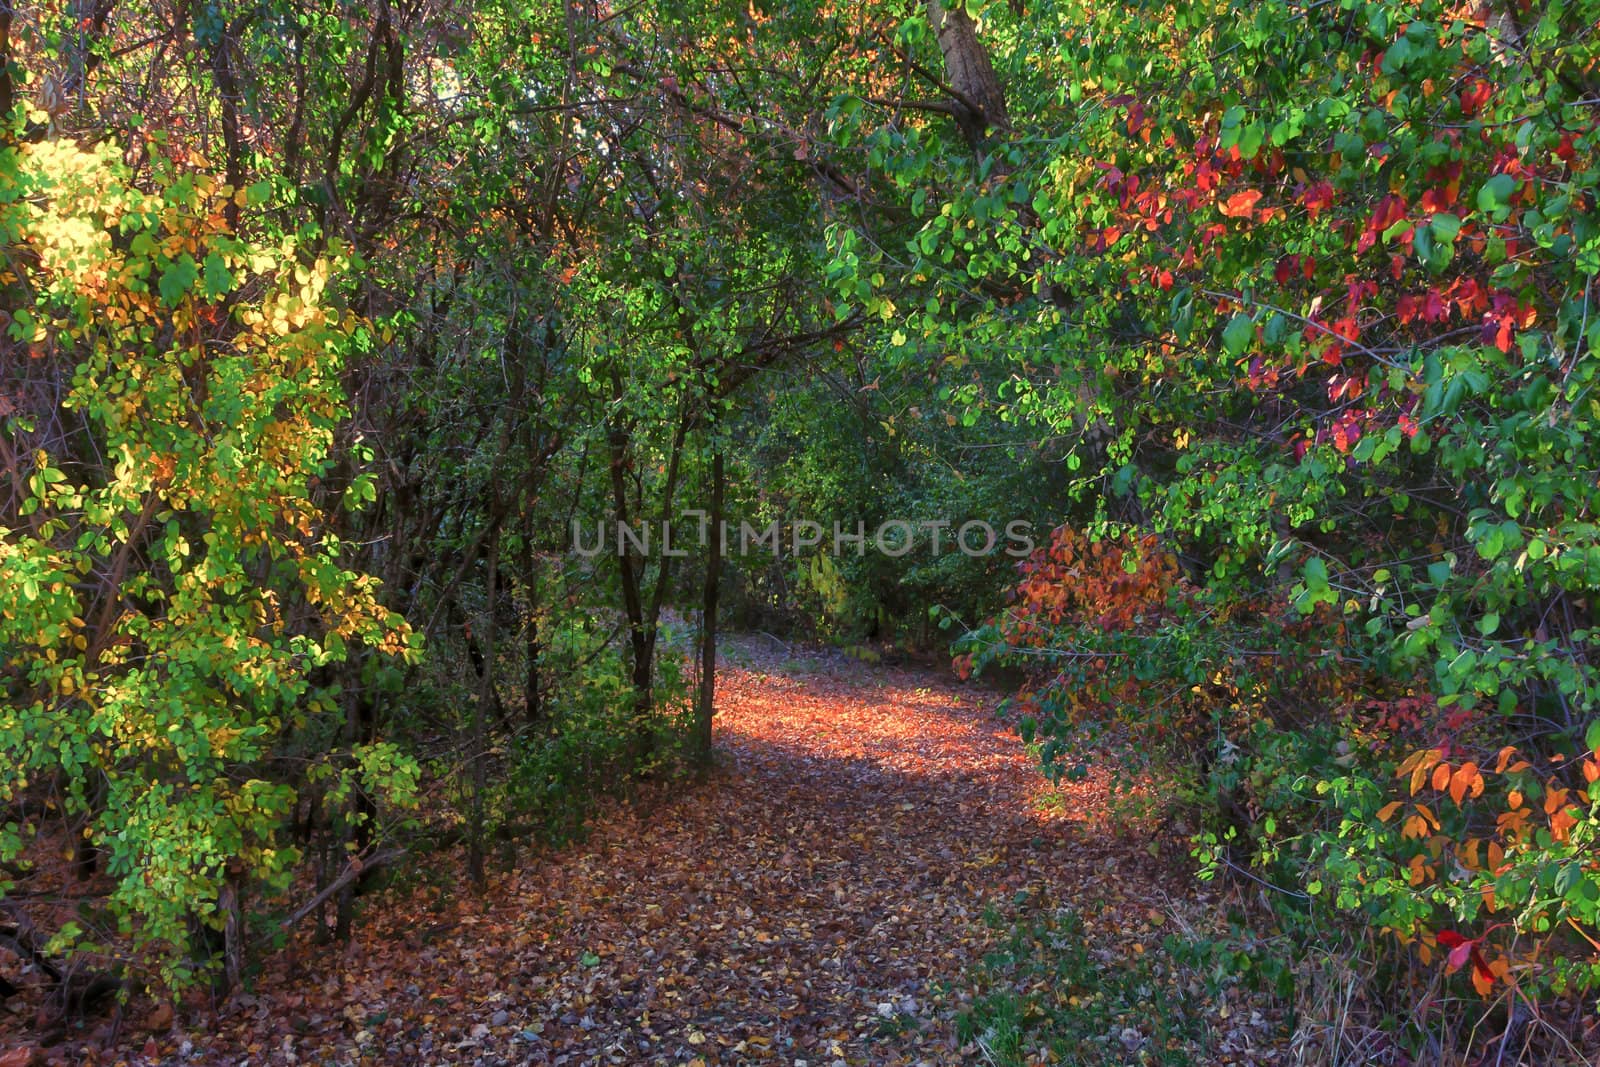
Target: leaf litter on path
(820, 900)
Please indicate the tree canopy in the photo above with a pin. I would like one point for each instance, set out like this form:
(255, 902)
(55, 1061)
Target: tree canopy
(1259, 332)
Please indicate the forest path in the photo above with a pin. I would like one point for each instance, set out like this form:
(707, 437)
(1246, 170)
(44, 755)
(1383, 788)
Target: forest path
(819, 900)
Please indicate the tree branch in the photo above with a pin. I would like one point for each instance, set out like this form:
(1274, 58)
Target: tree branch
(353, 870)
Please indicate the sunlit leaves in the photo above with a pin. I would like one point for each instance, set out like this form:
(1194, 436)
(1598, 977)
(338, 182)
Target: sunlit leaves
(175, 591)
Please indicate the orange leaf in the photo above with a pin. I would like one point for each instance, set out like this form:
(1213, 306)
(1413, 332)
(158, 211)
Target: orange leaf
(1410, 763)
(1504, 758)
(1386, 812)
(1418, 765)
(1484, 985)
(1561, 824)
(1465, 777)
(1441, 777)
(1241, 205)
(1553, 799)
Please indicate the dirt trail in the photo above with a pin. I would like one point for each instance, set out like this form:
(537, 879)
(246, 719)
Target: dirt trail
(818, 901)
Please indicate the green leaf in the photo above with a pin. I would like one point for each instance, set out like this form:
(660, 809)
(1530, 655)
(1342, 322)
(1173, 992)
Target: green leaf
(178, 279)
(1494, 198)
(22, 325)
(219, 280)
(1239, 332)
(1251, 139)
(1397, 56)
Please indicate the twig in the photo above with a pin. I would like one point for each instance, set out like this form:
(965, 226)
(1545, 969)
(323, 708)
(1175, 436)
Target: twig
(351, 872)
(1357, 345)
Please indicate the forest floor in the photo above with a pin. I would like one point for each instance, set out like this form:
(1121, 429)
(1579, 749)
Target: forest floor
(870, 835)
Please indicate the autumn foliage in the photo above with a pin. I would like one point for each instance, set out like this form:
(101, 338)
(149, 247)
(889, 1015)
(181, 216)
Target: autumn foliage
(1326, 278)
(322, 323)
(172, 586)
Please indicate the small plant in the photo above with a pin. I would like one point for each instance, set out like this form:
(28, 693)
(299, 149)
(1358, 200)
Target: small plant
(1048, 991)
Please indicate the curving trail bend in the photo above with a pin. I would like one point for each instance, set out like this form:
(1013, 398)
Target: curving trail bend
(820, 900)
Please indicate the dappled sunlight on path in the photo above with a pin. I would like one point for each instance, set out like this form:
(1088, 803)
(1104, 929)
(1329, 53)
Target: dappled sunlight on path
(820, 899)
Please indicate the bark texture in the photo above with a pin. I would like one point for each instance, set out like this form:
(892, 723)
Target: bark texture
(980, 102)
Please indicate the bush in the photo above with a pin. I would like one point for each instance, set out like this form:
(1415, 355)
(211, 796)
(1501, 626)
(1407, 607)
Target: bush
(171, 586)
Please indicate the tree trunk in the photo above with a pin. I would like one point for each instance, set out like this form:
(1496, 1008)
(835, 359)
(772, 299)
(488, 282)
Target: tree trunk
(228, 97)
(360, 725)
(705, 708)
(233, 933)
(632, 602)
(7, 93)
(642, 617)
(531, 697)
(480, 722)
(980, 102)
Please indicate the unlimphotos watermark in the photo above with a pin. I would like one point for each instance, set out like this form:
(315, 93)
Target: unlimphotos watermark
(892, 537)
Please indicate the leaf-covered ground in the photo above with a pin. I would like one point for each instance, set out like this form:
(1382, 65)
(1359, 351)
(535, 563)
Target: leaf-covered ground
(825, 898)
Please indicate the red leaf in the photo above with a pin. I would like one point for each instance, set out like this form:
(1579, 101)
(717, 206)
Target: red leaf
(1475, 96)
(1317, 198)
